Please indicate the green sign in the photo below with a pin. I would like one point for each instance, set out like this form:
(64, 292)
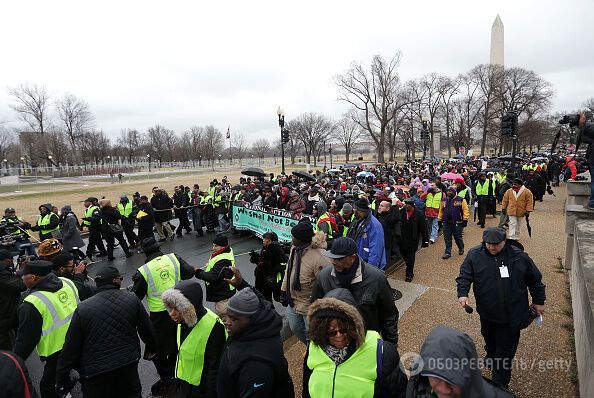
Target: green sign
(260, 219)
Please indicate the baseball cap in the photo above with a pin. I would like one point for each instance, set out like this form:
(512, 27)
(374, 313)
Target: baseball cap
(342, 247)
(494, 235)
(37, 267)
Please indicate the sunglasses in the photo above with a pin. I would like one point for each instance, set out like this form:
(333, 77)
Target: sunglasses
(333, 333)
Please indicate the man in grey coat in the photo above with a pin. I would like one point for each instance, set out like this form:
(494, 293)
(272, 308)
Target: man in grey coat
(70, 231)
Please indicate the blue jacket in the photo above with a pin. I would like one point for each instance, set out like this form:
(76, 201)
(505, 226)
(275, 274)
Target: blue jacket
(370, 245)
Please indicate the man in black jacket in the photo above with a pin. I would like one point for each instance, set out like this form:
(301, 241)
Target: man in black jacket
(11, 287)
(47, 223)
(162, 205)
(368, 285)
(180, 202)
(253, 363)
(201, 340)
(64, 267)
(102, 341)
(390, 219)
(165, 328)
(92, 220)
(271, 263)
(412, 229)
(501, 276)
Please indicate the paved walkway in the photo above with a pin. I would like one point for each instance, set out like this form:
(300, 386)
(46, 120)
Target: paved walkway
(543, 353)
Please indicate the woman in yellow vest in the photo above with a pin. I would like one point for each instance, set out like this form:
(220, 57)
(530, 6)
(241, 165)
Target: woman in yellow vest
(342, 359)
(47, 223)
(201, 339)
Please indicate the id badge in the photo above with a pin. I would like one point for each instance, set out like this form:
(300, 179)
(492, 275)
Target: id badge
(504, 272)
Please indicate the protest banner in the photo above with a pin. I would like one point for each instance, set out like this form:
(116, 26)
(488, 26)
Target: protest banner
(260, 219)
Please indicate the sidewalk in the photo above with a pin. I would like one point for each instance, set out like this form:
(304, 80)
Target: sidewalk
(543, 354)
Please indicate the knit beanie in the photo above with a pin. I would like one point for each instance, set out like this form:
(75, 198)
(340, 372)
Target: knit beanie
(244, 303)
(303, 231)
(221, 240)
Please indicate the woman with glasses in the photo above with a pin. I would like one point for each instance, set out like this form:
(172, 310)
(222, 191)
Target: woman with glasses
(342, 359)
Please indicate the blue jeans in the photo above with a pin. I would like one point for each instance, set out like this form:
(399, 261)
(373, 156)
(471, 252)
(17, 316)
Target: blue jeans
(433, 225)
(223, 224)
(456, 231)
(298, 324)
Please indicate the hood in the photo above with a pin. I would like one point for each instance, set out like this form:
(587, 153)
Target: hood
(48, 206)
(340, 201)
(265, 323)
(187, 297)
(319, 241)
(284, 191)
(50, 283)
(321, 207)
(340, 300)
(445, 344)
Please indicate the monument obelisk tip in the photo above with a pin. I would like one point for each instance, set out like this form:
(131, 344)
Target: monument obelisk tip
(497, 40)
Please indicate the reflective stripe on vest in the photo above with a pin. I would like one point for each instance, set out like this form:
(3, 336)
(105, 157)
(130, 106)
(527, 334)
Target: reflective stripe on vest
(157, 274)
(14, 223)
(190, 359)
(482, 189)
(89, 213)
(56, 309)
(354, 378)
(125, 210)
(223, 256)
(433, 200)
(45, 220)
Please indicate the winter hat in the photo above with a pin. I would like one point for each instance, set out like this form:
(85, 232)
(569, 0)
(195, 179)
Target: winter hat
(460, 181)
(362, 204)
(347, 208)
(303, 231)
(221, 240)
(66, 209)
(49, 247)
(243, 303)
(106, 275)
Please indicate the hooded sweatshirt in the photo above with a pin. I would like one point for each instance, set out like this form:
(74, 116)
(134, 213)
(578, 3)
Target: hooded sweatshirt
(54, 222)
(187, 297)
(446, 345)
(253, 363)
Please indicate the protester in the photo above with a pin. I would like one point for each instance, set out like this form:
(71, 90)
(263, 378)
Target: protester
(92, 220)
(482, 191)
(44, 317)
(14, 376)
(217, 290)
(17, 229)
(343, 358)
(159, 273)
(389, 218)
(145, 216)
(306, 260)
(111, 229)
(453, 215)
(162, 205)
(102, 341)
(64, 267)
(253, 363)
(271, 263)
(446, 345)
(368, 233)
(413, 229)
(201, 340)
(11, 287)
(48, 222)
(368, 285)
(491, 268)
(517, 203)
(125, 207)
(432, 197)
(71, 239)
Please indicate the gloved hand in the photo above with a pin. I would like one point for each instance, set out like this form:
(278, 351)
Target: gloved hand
(198, 273)
(254, 257)
(283, 299)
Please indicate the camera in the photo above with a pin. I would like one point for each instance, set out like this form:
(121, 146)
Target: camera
(574, 119)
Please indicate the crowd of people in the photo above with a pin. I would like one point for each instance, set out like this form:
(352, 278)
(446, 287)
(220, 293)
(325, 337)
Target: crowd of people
(354, 224)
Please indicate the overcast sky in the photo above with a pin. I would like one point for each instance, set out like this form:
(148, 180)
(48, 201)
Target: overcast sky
(184, 63)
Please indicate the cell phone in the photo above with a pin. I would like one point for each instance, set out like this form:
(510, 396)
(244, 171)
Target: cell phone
(227, 273)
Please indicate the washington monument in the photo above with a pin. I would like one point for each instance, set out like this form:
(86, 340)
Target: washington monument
(497, 42)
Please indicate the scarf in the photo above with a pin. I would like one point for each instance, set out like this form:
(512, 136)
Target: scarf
(295, 264)
(345, 277)
(337, 355)
(213, 255)
(357, 230)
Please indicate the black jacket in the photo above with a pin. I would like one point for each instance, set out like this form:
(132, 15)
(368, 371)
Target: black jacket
(54, 222)
(443, 346)
(216, 289)
(30, 320)
(253, 363)
(11, 376)
(103, 334)
(161, 202)
(11, 287)
(501, 300)
(373, 296)
(86, 288)
(391, 223)
(268, 264)
(411, 230)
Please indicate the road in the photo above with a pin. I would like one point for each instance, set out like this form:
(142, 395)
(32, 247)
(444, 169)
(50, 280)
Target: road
(195, 251)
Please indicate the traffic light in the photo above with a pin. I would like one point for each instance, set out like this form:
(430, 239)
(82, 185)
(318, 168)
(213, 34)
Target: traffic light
(285, 136)
(509, 124)
(425, 136)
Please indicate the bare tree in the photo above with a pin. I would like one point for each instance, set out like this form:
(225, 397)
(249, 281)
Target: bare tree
(76, 117)
(58, 150)
(170, 140)
(6, 144)
(31, 104)
(156, 142)
(524, 89)
(130, 141)
(311, 130)
(213, 144)
(260, 148)
(373, 94)
(94, 146)
(589, 104)
(293, 147)
(239, 145)
(347, 133)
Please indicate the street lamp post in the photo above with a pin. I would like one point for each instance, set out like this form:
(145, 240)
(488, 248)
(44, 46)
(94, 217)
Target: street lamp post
(6, 166)
(281, 123)
(330, 154)
(148, 156)
(425, 136)
(51, 163)
(23, 164)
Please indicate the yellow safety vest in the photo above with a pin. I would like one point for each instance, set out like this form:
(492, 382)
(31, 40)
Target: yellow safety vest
(13, 222)
(89, 213)
(354, 378)
(125, 210)
(433, 200)
(56, 309)
(160, 274)
(223, 256)
(190, 358)
(46, 220)
(462, 193)
(482, 189)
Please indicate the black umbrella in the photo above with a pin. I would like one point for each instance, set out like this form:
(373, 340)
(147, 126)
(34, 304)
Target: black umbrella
(528, 225)
(505, 157)
(303, 174)
(254, 172)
